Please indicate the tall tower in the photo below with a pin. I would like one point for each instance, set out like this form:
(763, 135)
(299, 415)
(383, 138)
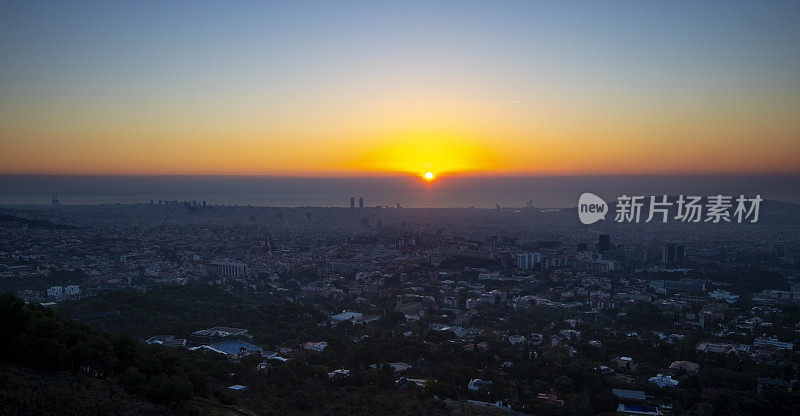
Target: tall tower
(352, 202)
(604, 243)
(361, 202)
(670, 253)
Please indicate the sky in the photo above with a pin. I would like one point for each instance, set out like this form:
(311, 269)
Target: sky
(336, 88)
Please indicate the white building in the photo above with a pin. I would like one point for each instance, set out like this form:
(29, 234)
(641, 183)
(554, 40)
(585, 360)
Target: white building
(526, 261)
(227, 269)
(476, 384)
(315, 346)
(340, 373)
(570, 334)
(354, 317)
(55, 291)
(662, 381)
(772, 341)
(516, 339)
(722, 295)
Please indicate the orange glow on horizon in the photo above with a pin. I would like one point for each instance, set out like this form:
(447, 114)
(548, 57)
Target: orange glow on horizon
(477, 143)
(428, 155)
(399, 93)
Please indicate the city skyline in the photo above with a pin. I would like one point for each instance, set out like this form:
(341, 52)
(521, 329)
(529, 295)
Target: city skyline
(439, 208)
(360, 89)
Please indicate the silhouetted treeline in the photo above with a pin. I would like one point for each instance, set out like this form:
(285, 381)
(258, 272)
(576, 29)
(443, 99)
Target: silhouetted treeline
(34, 338)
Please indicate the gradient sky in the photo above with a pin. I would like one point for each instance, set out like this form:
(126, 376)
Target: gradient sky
(348, 88)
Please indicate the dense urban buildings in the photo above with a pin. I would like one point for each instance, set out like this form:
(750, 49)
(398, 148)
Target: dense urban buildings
(506, 310)
(434, 208)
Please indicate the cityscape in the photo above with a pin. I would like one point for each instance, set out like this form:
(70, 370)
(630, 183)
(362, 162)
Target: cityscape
(435, 311)
(456, 208)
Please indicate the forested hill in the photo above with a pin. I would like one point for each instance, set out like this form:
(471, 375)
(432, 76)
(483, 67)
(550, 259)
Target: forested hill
(57, 366)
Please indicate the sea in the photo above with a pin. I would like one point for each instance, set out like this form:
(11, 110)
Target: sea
(408, 191)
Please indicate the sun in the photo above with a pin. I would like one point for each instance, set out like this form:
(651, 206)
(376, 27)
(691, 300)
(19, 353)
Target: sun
(428, 176)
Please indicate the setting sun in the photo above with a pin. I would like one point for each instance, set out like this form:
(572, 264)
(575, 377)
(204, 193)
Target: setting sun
(427, 154)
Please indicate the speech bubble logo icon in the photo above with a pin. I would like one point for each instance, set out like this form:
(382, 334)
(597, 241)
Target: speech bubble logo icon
(591, 208)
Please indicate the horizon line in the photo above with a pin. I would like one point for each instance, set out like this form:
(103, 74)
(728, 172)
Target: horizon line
(406, 175)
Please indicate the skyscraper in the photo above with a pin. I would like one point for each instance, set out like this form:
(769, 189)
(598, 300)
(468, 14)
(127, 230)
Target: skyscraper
(352, 202)
(673, 253)
(669, 255)
(361, 202)
(526, 261)
(604, 243)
